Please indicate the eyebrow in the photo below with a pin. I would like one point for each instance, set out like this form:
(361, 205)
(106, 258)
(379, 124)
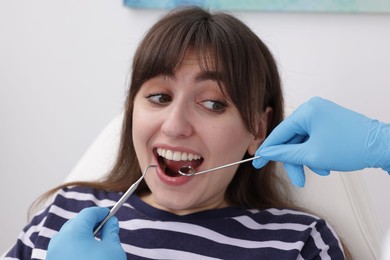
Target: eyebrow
(208, 75)
(201, 76)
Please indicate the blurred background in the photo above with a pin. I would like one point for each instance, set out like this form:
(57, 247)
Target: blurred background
(64, 68)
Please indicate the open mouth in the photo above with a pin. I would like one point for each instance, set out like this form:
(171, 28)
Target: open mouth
(171, 161)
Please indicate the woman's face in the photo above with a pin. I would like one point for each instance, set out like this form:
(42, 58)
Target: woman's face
(184, 119)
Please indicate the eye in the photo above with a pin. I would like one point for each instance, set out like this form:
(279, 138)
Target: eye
(159, 98)
(215, 105)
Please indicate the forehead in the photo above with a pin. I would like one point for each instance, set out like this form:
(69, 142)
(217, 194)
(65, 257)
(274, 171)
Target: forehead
(204, 58)
(204, 67)
(189, 59)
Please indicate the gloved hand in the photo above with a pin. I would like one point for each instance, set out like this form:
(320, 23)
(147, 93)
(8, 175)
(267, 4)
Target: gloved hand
(325, 136)
(76, 241)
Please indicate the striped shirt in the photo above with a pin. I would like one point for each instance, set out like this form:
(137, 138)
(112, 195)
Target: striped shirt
(150, 233)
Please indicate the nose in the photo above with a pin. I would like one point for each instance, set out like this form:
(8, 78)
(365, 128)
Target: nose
(177, 122)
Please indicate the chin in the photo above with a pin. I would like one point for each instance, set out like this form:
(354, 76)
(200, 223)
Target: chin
(174, 203)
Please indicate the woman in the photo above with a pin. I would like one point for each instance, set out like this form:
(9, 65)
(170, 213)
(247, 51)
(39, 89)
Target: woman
(204, 91)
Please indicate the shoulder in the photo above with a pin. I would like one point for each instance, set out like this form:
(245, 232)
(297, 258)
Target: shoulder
(288, 219)
(76, 198)
(315, 233)
(67, 203)
(64, 205)
(281, 215)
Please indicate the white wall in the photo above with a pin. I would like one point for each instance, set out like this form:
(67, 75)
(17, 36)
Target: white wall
(64, 67)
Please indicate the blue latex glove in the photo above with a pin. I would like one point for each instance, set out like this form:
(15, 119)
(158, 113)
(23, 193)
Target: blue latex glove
(76, 241)
(325, 136)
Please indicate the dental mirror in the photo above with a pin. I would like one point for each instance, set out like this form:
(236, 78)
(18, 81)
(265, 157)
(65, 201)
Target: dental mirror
(189, 171)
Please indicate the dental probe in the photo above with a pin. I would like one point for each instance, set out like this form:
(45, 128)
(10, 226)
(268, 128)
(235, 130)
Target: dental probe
(122, 200)
(189, 171)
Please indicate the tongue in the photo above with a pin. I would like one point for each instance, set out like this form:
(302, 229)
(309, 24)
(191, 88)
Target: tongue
(175, 166)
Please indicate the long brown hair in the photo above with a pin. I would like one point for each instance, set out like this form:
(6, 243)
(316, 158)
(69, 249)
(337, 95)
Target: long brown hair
(249, 75)
(250, 78)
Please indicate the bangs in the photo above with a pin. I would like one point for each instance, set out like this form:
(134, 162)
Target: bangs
(166, 46)
(236, 56)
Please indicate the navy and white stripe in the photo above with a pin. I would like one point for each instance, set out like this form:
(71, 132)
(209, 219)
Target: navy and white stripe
(150, 233)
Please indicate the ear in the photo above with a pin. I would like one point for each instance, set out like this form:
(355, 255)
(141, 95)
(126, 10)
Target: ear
(262, 126)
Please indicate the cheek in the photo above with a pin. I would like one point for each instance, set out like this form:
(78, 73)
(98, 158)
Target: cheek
(228, 141)
(142, 131)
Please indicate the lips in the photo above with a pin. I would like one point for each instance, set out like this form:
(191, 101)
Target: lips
(171, 161)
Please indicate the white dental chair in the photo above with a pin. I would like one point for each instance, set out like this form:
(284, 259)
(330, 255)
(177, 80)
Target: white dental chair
(339, 198)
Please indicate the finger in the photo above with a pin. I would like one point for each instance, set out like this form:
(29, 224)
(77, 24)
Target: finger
(110, 230)
(295, 139)
(321, 172)
(296, 174)
(298, 139)
(89, 217)
(94, 213)
(286, 131)
(259, 163)
(286, 153)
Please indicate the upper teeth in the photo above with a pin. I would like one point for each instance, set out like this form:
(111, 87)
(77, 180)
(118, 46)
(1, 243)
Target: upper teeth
(177, 156)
